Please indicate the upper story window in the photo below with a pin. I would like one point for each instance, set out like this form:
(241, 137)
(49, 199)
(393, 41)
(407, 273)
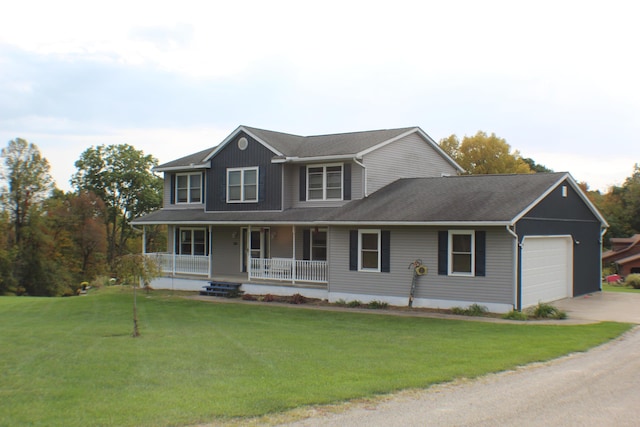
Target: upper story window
(242, 185)
(462, 254)
(189, 188)
(324, 182)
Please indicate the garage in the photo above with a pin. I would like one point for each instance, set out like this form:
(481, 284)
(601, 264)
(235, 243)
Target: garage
(547, 269)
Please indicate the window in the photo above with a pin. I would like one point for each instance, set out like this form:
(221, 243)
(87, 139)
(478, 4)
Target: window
(369, 250)
(242, 185)
(461, 257)
(324, 182)
(189, 188)
(192, 241)
(318, 245)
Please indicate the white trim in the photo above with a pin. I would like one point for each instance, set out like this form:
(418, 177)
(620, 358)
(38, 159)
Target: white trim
(312, 159)
(232, 136)
(450, 253)
(242, 186)
(325, 223)
(181, 168)
(324, 182)
(175, 190)
(379, 249)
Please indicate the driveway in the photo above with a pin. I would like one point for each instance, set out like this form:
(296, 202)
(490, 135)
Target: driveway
(595, 388)
(615, 306)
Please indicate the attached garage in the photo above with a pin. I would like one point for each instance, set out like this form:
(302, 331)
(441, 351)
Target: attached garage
(547, 269)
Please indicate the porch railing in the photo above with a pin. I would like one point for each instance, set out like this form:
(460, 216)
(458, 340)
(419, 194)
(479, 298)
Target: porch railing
(184, 264)
(288, 269)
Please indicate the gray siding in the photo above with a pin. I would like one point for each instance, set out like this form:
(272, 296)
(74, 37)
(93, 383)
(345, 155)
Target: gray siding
(225, 250)
(411, 243)
(409, 157)
(167, 190)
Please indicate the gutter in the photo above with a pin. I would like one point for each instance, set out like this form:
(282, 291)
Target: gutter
(603, 230)
(516, 294)
(364, 167)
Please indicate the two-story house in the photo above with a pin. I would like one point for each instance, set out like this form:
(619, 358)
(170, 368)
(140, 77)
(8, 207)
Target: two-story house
(343, 216)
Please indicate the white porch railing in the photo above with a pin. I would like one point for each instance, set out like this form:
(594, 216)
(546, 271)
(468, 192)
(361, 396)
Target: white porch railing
(288, 269)
(184, 264)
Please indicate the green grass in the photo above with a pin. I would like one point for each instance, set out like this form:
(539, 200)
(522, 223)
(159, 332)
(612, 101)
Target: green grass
(619, 288)
(72, 361)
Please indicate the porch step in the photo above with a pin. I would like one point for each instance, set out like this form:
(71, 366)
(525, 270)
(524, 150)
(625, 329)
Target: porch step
(222, 289)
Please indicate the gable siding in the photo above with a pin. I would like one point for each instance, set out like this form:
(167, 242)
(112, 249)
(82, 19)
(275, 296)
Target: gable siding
(292, 187)
(409, 157)
(557, 215)
(270, 177)
(411, 243)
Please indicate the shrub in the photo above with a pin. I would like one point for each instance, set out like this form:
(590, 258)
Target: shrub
(472, 310)
(268, 298)
(514, 315)
(354, 304)
(548, 311)
(248, 297)
(341, 302)
(633, 280)
(298, 299)
(376, 305)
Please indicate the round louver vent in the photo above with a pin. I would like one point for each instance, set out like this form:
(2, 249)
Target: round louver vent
(243, 143)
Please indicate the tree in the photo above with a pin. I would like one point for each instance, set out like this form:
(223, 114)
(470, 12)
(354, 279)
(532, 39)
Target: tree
(136, 269)
(484, 154)
(536, 167)
(122, 177)
(27, 174)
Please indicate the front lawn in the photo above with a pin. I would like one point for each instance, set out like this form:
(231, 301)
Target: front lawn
(73, 362)
(619, 288)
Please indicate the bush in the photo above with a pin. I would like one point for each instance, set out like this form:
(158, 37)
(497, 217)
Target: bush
(377, 305)
(514, 315)
(248, 297)
(354, 304)
(341, 302)
(298, 299)
(633, 280)
(547, 311)
(268, 298)
(472, 310)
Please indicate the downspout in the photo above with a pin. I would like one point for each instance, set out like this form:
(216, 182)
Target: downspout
(602, 233)
(515, 251)
(364, 174)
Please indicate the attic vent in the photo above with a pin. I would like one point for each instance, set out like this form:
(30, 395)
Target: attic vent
(243, 143)
(564, 191)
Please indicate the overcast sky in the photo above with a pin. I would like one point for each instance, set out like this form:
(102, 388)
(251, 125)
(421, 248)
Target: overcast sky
(559, 80)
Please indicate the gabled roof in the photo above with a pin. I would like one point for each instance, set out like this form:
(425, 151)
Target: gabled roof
(455, 200)
(294, 148)
(490, 199)
(619, 254)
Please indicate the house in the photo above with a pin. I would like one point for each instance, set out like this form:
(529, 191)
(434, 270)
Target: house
(624, 255)
(345, 216)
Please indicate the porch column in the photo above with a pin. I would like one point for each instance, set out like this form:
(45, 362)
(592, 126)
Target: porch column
(210, 251)
(144, 240)
(247, 252)
(293, 256)
(173, 251)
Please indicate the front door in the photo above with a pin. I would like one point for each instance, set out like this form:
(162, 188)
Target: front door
(254, 245)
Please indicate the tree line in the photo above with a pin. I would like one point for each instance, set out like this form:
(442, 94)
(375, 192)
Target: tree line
(53, 241)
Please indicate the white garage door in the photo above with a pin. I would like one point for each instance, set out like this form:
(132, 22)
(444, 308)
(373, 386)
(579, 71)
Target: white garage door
(547, 269)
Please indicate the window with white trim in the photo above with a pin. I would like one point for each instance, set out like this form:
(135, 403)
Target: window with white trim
(461, 252)
(242, 185)
(324, 182)
(369, 250)
(193, 241)
(188, 188)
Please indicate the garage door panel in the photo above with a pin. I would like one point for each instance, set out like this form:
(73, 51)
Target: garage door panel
(547, 265)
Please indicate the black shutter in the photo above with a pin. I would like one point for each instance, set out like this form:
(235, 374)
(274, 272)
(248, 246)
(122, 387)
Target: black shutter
(353, 250)
(481, 243)
(443, 252)
(203, 179)
(261, 185)
(385, 251)
(303, 183)
(176, 240)
(306, 244)
(173, 189)
(346, 181)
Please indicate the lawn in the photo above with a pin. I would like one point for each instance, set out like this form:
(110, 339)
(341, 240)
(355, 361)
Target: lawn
(73, 362)
(619, 288)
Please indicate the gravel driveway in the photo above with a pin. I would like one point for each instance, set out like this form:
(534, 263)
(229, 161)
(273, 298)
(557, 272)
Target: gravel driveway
(598, 388)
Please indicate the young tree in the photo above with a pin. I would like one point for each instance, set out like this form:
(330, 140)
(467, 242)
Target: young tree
(122, 177)
(29, 181)
(484, 154)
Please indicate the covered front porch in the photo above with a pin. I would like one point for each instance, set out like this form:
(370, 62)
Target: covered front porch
(286, 254)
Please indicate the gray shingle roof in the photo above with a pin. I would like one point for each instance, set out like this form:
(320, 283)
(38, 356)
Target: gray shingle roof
(302, 146)
(455, 199)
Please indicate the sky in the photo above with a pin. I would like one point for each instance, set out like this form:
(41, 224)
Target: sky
(558, 80)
